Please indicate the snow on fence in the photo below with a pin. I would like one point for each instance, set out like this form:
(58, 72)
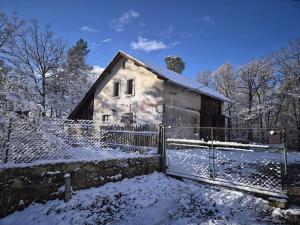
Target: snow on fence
(27, 141)
(249, 159)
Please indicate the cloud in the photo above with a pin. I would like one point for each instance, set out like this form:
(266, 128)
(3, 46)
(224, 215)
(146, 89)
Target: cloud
(207, 19)
(174, 43)
(168, 31)
(88, 29)
(95, 73)
(186, 35)
(97, 69)
(106, 40)
(94, 45)
(143, 44)
(126, 18)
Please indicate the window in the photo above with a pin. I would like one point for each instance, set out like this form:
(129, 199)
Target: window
(116, 90)
(127, 118)
(130, 87)
(105, 118)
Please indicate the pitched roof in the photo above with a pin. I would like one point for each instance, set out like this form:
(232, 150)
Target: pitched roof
(180, 80)
(164, 73)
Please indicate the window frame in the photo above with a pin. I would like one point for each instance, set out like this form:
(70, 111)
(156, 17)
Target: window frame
(105, 117)
(119, 89)
(133, 87)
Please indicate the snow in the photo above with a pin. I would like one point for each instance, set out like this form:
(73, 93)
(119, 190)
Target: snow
(278, 200)
(293, 157)
(247, 169)
(255, 170)
(220, 143)
(78, 154)
(150, 200)
(53, 173)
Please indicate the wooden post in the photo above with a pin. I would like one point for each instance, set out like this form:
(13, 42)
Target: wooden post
(68, 191)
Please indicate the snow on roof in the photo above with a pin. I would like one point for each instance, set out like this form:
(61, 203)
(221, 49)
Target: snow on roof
(181, 80)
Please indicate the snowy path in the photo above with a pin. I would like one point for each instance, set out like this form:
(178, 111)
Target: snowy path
(150, 200)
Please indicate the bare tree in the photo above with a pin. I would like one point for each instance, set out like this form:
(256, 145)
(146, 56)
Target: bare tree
(9, 28)
(254, 81)
(37, 54)
(225, 81)
(206, 77)
(289, 91)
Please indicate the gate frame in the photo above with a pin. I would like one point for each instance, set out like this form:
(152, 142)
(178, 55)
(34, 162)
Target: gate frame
(162, 152)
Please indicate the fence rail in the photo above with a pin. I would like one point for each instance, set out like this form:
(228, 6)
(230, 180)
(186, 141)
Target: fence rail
(26, 141)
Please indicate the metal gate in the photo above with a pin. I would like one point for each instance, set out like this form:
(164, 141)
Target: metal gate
(248, 159)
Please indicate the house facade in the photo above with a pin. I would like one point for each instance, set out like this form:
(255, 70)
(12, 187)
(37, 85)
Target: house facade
(132, 92)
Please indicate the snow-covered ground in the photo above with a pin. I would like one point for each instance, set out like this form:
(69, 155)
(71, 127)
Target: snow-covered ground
(255, 169)
(151, 200)
(76, 154)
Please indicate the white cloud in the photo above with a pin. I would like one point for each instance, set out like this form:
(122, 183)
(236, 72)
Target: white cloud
(97, 69)
(174, 43)
(106, 40)
(95, 73)
(95, 44)
(143, 44)
(126, 18)
(168, 31)
(88, 29)
(207, 19)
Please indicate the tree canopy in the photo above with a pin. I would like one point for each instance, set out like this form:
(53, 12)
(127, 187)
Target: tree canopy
(175, 63)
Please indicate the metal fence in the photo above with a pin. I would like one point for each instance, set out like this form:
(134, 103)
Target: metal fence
(292, 139)
(249, 159)
(27, 141)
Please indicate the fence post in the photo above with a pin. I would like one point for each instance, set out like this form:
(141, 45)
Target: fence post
(68, 191)
(162, 146)
(213, 152)
(159, 139)
(285, 163)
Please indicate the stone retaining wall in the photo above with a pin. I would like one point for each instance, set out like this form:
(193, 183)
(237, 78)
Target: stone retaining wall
(21, 186)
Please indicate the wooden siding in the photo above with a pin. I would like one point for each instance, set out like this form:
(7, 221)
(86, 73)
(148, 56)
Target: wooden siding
(86, 110)
(211, 112)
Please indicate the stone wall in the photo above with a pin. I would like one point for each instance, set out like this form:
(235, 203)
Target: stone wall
(21, 186)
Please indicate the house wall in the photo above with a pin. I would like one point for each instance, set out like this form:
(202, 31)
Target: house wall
(145, 103)
(181, 110)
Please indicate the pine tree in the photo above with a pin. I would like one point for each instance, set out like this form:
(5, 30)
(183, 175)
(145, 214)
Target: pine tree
(77, 56)
(77, 72)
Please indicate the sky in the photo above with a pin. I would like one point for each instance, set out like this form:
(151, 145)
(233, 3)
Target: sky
(204, 33)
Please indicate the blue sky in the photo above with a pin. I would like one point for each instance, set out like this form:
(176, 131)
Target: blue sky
(205, 34)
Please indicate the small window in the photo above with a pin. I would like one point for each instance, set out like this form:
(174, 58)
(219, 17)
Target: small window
(127, 118)
(105, 118)
(116, 89)
(130, 87)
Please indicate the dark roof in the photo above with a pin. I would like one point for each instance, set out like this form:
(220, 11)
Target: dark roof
(165, 74)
